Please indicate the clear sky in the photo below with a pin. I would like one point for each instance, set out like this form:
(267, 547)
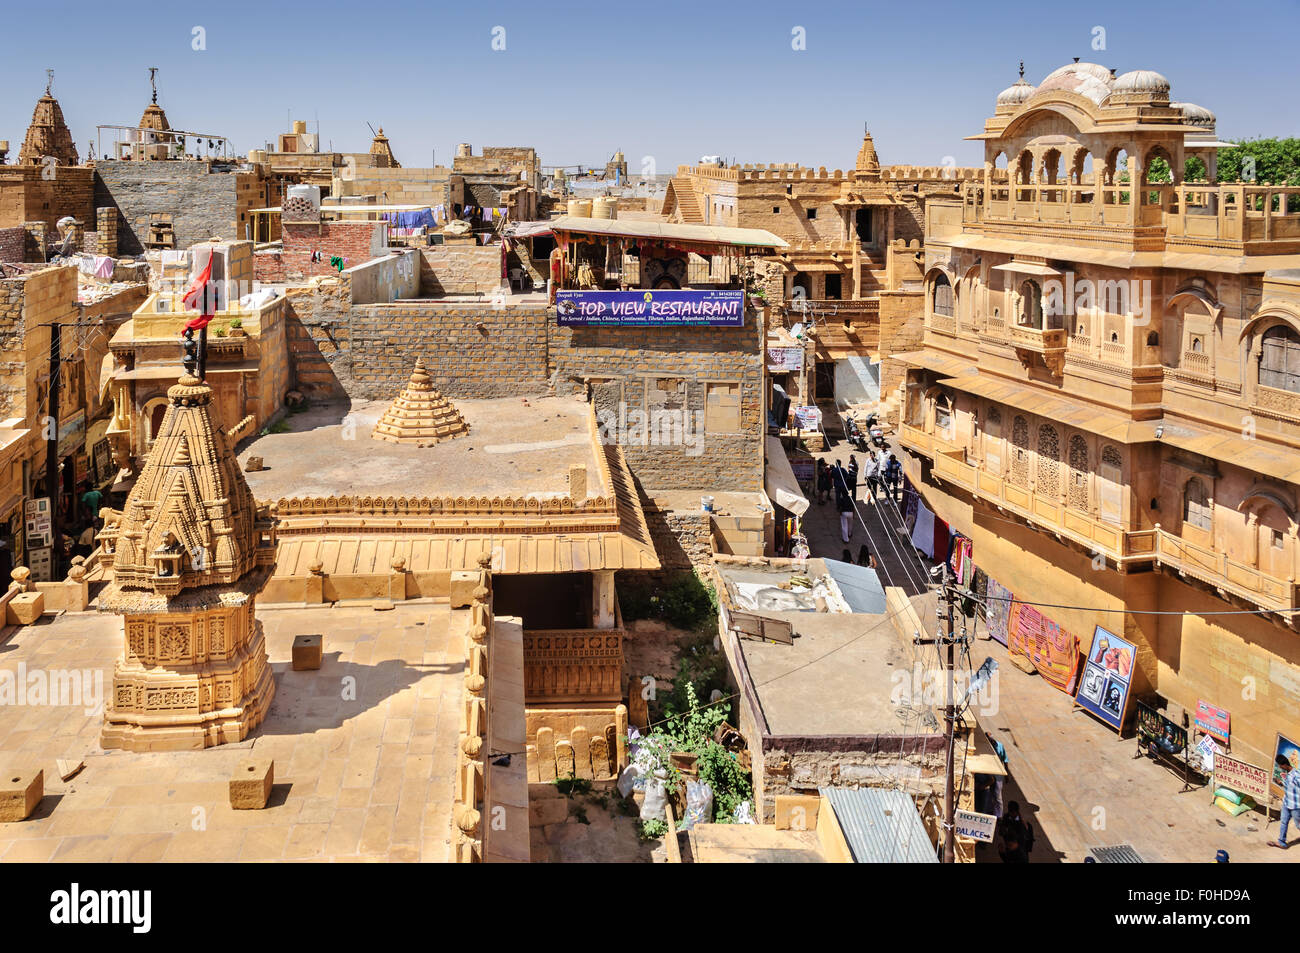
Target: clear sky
(669, 80)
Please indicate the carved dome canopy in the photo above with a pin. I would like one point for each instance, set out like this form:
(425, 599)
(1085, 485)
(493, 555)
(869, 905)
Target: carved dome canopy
(1016, 94)
(1087, 79)
(1140, 81)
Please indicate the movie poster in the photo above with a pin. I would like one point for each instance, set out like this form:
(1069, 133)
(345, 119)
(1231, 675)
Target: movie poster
(1054, 652)
(1289, 750)
(1104, 687)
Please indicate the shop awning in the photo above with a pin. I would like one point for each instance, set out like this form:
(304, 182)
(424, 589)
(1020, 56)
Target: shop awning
(779, 480)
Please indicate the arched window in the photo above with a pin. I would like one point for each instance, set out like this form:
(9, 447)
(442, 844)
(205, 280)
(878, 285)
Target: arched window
(1196, 505)
(942, 300)
(1078, 489)
(1279, 361)
(1049, 460)
(1031, 305)
(1019, 474)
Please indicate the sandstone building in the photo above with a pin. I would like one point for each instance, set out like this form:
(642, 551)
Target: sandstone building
(1106, 401)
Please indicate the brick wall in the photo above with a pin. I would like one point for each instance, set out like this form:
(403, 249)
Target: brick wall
(13, 243)
(318, 335)
(203, 203)
(355, 242)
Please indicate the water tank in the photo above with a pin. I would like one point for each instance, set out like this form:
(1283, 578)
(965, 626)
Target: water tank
(301, 204)
(464, 150)
(580, 208)
(606, 206)
(299, 127)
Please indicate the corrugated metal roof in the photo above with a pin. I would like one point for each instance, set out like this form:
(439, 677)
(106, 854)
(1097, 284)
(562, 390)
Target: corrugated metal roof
(668, 231)
(881, 826)
(859, 584)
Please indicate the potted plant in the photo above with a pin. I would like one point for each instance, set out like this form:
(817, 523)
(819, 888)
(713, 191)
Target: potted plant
(237, 327)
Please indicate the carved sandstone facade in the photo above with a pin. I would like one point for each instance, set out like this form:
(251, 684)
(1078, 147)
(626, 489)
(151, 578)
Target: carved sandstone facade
(188, 558)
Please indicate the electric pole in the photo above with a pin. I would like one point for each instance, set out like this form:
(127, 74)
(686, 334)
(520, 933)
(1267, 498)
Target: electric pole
(950, 715)
(944, 612)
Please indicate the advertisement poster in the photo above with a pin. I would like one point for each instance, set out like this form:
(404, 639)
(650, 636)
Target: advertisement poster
(1104, 687)
(808, 418)
(999, 610)
(667, 308)
(1241, 776)
(974, 825)
(1287, 749)
(1215, 722)
(1054, 652)
(1153, 727)
(781, 360)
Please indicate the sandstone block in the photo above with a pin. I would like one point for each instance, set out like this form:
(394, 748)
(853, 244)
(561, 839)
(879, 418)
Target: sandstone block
(307, 652)
(26, 607)
(463, 584)
(797, 812)
(250, 785)
(20, 791)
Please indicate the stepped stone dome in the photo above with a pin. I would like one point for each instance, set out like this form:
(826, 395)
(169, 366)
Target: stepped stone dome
(420, 415)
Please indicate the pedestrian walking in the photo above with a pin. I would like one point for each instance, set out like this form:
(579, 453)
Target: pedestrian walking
(843, 503)
(894, 477)
(872, 472)
(852, 475)
(1290, 799)
(823, 481)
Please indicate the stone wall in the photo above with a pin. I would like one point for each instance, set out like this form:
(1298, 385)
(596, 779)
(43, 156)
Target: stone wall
(318, 334)
(682, 539)
(460, 268)
(470, 351)
(203, 203)
(26, 195)
(638, 367)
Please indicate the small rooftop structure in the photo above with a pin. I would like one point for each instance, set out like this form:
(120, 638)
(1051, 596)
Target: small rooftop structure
(420, 415)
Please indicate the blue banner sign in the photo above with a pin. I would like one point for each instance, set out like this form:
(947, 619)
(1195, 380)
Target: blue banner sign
(719, 309)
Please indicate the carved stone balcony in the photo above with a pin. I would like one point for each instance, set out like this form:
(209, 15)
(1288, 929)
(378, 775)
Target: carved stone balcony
(1045, 343)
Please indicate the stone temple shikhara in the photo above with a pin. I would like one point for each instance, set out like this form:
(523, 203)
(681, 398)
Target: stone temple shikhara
(187, 565)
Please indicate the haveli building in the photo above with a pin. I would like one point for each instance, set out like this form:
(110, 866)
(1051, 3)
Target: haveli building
(1106, 400)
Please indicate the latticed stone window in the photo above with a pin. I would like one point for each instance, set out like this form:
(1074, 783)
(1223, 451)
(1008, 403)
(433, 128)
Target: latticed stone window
(1049, 460)
(1019, 474)
(1196, 505)
(1078, 489)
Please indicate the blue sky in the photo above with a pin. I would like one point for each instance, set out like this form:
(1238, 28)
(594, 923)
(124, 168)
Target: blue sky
(671, 80)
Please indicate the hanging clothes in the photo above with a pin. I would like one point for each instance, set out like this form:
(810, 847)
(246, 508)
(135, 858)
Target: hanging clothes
(924, 530)
(104, 266)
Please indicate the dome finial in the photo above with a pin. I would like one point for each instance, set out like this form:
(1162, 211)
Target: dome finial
(1022, 68)
(153, 71)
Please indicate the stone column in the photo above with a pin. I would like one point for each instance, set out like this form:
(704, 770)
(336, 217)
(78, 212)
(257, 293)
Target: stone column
(602, 599)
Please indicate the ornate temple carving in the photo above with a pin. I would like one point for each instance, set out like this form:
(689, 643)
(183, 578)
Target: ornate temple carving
(194, 671)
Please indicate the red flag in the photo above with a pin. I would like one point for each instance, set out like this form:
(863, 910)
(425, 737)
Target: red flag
(198, 291)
